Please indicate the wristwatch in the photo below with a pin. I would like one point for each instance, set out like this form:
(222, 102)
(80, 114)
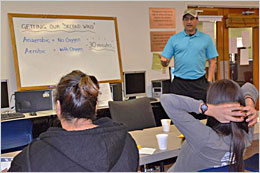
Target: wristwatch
(203, 108)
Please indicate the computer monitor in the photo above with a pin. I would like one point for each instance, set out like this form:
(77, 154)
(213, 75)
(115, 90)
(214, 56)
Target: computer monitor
(134, 84)
(5, 106)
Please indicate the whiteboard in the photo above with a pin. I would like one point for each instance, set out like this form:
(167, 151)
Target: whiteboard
(47, 47)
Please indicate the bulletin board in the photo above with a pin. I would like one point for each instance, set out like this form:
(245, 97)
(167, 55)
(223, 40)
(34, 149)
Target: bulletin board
(47, 47)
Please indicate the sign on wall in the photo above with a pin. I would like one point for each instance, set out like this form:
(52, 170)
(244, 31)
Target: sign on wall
(159, 39)
(162, 18)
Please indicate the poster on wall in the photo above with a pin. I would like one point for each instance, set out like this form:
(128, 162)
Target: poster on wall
(244, 59)
(162, 18)
(232, 45)
(156, 65)
(159, 39)
(246, 38)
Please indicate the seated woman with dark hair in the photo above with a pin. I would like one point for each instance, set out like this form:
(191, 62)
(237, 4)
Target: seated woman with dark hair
(229, 130)
(82, 144)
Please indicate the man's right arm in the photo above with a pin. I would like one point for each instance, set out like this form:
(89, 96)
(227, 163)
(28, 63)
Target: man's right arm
(164, 61)
(168, 52)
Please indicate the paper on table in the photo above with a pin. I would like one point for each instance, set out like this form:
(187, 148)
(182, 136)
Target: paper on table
(156, 65)
(105, 94)
(6, 162)
(146, 150)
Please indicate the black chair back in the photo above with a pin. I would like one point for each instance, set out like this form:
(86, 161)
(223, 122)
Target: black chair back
(136, 114)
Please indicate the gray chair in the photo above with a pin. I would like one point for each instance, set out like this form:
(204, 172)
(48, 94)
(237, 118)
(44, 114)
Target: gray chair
(136, 114)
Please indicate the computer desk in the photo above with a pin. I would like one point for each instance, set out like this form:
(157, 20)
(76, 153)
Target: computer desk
(41, 114)
(102, 111)
(45, 119)
(146, 138)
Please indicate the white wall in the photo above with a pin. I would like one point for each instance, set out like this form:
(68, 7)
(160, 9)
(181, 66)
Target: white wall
(133, 26)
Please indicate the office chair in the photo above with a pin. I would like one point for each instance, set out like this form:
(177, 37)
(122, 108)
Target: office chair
(136, 114)
(252, 163)
(15, 135)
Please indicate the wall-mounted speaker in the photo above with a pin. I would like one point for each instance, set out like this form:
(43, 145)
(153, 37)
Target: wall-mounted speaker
(33, 101)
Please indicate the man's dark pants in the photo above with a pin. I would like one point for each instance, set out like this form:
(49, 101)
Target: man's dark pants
(196, 89)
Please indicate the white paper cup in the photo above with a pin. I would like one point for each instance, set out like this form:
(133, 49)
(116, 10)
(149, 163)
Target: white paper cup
(162, 141)
(166, 124)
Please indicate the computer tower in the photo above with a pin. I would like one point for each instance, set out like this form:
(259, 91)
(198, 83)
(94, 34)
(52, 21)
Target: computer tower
(33, 101)
(116, 89)
(160, 87)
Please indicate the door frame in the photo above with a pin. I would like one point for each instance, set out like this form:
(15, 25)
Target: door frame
(222, 41)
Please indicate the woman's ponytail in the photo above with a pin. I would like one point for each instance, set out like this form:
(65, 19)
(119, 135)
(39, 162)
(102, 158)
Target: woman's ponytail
(238, 146)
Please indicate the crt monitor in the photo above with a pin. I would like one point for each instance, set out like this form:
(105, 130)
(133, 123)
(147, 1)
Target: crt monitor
(4, 96)
(134, 84)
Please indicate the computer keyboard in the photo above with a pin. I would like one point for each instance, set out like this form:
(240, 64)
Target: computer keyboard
(11, 115)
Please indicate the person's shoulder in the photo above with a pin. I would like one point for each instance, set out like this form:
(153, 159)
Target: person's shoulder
(179, 34)
(108, 123)
(176, 37)
(204, 35)
(102, 120)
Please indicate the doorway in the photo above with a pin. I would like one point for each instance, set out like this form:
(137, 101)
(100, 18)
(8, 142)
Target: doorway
(236, 20)
(241, 55)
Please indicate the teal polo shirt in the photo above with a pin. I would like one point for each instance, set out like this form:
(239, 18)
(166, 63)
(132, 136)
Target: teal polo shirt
(190, 53)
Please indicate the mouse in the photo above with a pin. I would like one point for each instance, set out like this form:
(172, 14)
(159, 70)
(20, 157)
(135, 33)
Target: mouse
(32, 113)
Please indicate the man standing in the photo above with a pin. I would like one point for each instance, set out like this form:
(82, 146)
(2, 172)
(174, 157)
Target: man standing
(190, 49)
